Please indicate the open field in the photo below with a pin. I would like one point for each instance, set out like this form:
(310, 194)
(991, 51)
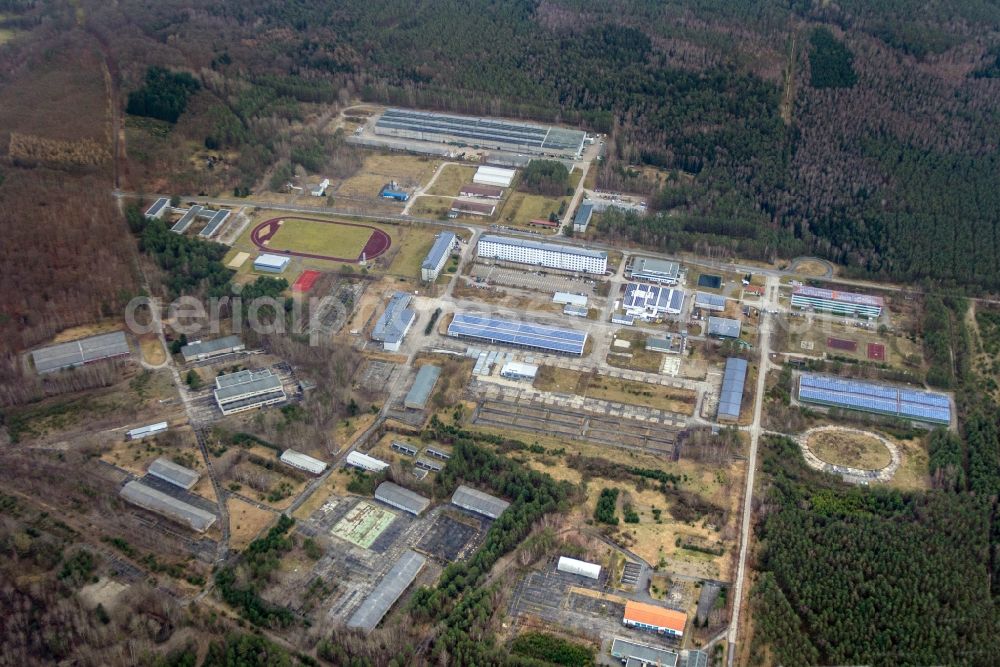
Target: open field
(178, 445)
(845, 448)
(641, 359)
(815, 338)
(451, 179)
(414, 244)
(431, 207)
(521, 208)
(811, 267)
(912, 474)
(409, 171)
(654, 539)
(335, 485)
(95, 413)
(74, 333)
(246, 522)
(619, 390)
(152, 350)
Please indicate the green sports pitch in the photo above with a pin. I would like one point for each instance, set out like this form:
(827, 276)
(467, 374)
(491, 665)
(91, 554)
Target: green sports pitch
(316, 238)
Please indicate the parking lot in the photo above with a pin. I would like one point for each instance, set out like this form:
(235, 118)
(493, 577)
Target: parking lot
(537, 281)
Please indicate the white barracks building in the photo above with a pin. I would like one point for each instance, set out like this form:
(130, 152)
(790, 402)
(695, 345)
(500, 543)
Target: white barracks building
(537, 253)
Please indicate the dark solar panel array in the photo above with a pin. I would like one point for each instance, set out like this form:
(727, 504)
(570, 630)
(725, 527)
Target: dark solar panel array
(869, 397)
(481, 129)
(518, 333)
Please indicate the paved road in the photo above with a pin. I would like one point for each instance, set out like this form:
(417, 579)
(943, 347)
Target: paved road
(755, 433)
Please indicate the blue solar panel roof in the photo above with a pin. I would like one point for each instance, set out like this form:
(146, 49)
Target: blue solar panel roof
(518, 333)
(871, 397)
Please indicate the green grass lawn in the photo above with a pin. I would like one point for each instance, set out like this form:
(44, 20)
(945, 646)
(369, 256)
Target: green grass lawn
(320, 238)
(522, 207)
(431, 207)
(413, 248)
(451, 179)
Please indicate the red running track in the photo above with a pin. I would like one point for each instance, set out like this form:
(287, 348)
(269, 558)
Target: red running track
(378, 243)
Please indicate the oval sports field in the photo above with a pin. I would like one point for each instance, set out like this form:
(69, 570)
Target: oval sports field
(316, 238)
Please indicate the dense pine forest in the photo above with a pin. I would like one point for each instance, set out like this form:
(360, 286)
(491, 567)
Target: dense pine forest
(851, 575)
(862, 132)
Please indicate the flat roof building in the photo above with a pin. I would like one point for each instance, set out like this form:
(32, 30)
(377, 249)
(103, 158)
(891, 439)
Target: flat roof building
(205, 349)
(470, 207)
(423, 385)
(515, 370)
(144, 431)
(708, 301)
(403, 448)
(564, 298)
(401, 498)
(576, 311)
(246, 390)
(485, 191)
(580, 567)
(837, 302)
(518, 334)
(495, 176)
(426, 464)
(216, 221)
(476, 501)
(271, 263)
(539, 253)
(634, 654)
(724, 327)
(159, 207)
(438, 256)
(656, 270)
(669, 344)
(150, 499)
(395, 322)
(189, 216)
(177, 475)
(384, 595)
(654, 618)
(649, 302)
(584, 213)
(303, 462)
(489, 133)
(365, 462)
(731, 396)
(79, 352)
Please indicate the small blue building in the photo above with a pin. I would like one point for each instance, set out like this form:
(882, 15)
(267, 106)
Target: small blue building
(398, 195)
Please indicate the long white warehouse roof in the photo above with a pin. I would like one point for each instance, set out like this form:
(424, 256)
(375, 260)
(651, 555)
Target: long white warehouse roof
(302, 461)
(581, 567)
(365, 462)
